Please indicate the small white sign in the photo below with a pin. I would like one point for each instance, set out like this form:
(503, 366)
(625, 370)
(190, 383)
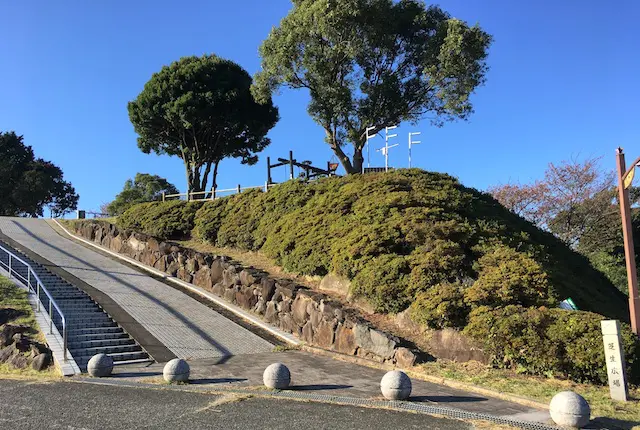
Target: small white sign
(615, 359)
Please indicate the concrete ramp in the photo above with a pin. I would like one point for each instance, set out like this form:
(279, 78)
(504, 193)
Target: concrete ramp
(186, 327)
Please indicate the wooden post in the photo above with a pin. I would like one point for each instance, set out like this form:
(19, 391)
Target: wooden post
(213, 193)
(268, 170)
(163, 196)
(291, 164)
(629, 252)
(239, 189)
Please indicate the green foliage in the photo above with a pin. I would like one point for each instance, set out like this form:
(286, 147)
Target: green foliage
(143, 188)
(398, 234)
(549, 341)
(373, 63)
(28, 184)
(420, 239)
(171, 220)
(440, 306)
(508, 277)
(201, 109)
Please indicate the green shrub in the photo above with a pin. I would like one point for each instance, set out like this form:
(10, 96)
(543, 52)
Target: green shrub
(208, 220)
(169, 220)
(414, 237)
(437, 227)
(508, 277)
(383, 281)
(548, 341)
(440, 306)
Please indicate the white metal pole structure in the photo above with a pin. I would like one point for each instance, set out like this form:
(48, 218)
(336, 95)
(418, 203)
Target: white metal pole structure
(368, 144)
(412, 142)
(385, 150)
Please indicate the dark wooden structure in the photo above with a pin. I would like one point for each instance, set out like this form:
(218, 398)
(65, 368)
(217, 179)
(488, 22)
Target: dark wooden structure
(310, 171)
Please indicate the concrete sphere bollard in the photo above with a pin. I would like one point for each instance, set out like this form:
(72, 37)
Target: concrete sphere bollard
(395, 385)
(100, 365)
(570, 409)
(276, 375)
(176, 370)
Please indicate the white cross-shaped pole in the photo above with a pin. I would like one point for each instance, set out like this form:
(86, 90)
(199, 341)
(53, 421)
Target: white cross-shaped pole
(369, 136)
(385, 150)
(412, 142)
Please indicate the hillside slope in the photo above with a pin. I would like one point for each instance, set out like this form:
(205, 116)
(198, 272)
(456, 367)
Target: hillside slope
(395, 235)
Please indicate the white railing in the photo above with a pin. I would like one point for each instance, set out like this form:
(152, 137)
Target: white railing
(216, 193)
(32, 276)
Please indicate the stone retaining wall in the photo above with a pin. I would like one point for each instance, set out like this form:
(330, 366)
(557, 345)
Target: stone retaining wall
(310, 315)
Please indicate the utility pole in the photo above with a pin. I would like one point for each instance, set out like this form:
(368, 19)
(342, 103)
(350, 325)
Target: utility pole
(412, 142)
(385, 150)
(625, 178)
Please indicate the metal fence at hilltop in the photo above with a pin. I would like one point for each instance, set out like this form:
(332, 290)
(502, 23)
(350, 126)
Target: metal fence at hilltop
(215, 193)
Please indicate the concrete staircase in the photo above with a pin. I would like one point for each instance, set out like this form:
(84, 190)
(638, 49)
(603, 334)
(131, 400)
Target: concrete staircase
(90, 330)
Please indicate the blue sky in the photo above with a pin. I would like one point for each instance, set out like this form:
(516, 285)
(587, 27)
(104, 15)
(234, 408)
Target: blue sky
(563, 83)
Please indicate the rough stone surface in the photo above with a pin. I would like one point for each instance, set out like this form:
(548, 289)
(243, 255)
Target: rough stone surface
(176, 370)
(313, 316)
(374, 341)
(41, 362)
(277, 376)
(100, 365)
(570, 409)
(335, 284)
(345, 340)
(395, 385)
(405, 357)
(453, 345)
(325, 334)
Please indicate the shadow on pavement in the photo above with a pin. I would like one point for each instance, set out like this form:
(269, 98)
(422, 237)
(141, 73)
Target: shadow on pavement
(216, 380)
(135, 374)
(447, 399)
(313, 387)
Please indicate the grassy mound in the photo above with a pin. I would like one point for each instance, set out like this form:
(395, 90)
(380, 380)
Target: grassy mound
(402, 238)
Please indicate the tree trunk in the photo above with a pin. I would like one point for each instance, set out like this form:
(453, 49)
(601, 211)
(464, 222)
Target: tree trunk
(358, 159)
(215, 175)
(205, 176)
(344, 159)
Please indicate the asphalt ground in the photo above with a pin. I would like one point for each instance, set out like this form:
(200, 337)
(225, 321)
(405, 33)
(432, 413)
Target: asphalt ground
(70, 405)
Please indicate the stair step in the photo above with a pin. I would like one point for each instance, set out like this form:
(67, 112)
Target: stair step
(94, 330)
(98, 336)
(117, 357)
(90, 330)
(95, 343)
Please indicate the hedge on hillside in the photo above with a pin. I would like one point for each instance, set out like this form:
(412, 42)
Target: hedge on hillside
(549, 342)
(410, 237)
(395, 235)
(170, 220)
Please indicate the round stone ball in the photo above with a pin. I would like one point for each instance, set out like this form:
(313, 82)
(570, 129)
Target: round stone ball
(570, 409)
(395, 385)
(100, 365)
(277, 376)
(176, 370)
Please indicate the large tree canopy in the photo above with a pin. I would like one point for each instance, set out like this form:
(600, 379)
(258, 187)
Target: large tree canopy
(143, 188)
(373, 63)
(28, 184)
(201, 109)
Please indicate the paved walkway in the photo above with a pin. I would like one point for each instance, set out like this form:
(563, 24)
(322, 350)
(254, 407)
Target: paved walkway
(324, 375)
(188, 328)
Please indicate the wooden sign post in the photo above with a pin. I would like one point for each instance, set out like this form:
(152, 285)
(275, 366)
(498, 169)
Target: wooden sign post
(615, 359)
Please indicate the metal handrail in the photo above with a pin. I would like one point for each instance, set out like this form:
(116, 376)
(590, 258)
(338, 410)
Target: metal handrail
(39, 287)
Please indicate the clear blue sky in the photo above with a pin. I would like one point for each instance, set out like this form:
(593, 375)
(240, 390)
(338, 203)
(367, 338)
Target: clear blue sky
(563, 82)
